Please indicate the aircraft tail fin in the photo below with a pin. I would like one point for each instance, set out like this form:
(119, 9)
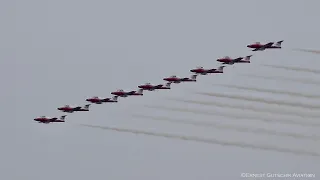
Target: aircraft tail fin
(194, 76)
(278, 44)
(221, 68)
(115, 98)
(247, 58)
(87, 106)
(140, 91)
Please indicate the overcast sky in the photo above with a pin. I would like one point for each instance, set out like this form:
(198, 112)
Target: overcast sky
(61, 52)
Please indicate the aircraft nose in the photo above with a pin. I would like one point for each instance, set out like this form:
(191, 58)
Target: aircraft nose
(248, 45)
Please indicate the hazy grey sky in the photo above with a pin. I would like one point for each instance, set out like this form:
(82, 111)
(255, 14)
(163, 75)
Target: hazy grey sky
(60, 52)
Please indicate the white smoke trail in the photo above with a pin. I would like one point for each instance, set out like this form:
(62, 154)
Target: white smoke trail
(248, 107)
(230, 127)
(265, 101)
(294, 68)
(237, 116)
(294, 94)
(303, 81)
(208, 141)
(307, 50)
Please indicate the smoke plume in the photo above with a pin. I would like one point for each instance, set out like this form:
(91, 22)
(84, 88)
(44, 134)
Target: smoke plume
(237, 116)
(208, 141)
(229, 127)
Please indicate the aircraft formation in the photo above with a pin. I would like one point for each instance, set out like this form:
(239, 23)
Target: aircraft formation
(169, 80)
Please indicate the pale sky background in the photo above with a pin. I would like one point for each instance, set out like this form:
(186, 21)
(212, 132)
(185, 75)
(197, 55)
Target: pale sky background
(61, 52)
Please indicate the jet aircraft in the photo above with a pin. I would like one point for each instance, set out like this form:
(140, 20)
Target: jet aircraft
(177, 80)
(97, 100)
(150, 87)
(69, 109)
(123, 93)
(202, 71)
(231, 61)
(261, 47)
(47, 120)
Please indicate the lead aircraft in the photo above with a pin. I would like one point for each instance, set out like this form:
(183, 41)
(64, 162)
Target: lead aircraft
(47, 120)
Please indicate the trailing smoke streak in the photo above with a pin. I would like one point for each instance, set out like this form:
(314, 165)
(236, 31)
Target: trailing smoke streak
(307, 50)
(261, 100)
(230, 127)
(295, 94)
(236, 116)
(208, 141)
(247, 107)
(303, 81)
(294, 68)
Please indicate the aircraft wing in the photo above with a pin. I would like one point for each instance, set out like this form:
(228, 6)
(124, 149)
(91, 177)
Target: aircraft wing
(131, 92)
(77, 108)
(237, 59)
(267, 45)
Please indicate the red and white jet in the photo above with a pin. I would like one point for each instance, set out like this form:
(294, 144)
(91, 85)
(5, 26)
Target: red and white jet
(202, 71)
(150, 87)
(123, 93)
(230, 61)
(69, 109)
(261, 47)
(97, 100)
(177, 80)
(47, 120)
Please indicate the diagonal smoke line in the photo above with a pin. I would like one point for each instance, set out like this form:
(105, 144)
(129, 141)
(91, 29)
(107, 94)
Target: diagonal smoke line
(236, 116)
(262, 100)
(294, 94)
(300, 69)
(230, 127)
(208, 141)
(298, 80)
(247, 107)
(307, 50)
